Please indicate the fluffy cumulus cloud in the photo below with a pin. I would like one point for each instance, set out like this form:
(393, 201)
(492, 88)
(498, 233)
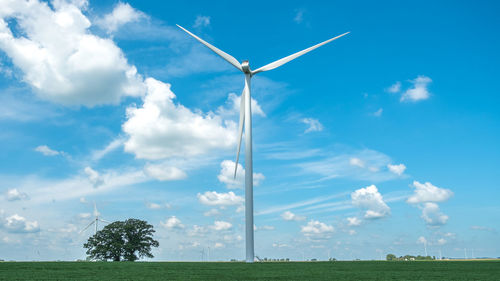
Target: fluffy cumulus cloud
(371, 200)
(201, 21)
(395, 88)
(157, 206)
(221, 225)
(164, 173)
(426, 192)
(289, 216)
(15, 195)
(432, 215)
(212, 198)
(421, 240)
(418, 91)
(94, 177)
(172, 223)
(162, 129)
(226, 175)
(313, 125)
(211, 212)
(19, 224)
(353, 221)
(47, 151)
(357, 162)
(122, 14)
(317, 229)
(233, 104)
(397, 169)
(59, 56)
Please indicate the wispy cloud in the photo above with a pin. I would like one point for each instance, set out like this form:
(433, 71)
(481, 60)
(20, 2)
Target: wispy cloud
(314, 125)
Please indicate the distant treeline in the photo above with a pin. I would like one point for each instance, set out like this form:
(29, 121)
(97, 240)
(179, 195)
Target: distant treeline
(392, 257)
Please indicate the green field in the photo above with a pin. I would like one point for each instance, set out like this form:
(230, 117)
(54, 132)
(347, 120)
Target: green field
(341, 270)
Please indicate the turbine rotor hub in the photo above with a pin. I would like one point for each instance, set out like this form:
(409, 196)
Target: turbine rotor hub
(245, 66)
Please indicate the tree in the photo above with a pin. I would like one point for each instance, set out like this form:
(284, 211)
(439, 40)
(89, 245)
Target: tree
(390, 257)
(130, 239)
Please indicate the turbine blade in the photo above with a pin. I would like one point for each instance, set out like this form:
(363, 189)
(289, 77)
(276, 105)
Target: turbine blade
(92, 222)
(284, 60)
(104, 221)
(240, 129)
(224, 55)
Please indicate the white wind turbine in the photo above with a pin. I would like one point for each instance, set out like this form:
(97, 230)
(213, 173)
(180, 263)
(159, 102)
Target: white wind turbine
(95, 220)
(246, 118)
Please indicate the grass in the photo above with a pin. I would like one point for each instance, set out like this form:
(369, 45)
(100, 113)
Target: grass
(341, 270)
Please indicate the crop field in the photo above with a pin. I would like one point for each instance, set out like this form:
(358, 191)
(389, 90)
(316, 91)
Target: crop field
(340, 270)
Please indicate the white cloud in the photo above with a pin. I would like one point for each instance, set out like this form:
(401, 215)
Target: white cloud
(357, 162)
(61, 59)
(45, 150)
(441, 241)
(264, 227)
(95, 179)
(164, 173)
(221, 225)
(122, 14)
(232, 106)
(84, 215)
(172, 223)
(370, 199)
(114, 144)
(419, 90)
(157, 206)
(226, 175)
(14, 195)
(212, 198)
(289, 216)
(378, 113)
(314, 125)
(162, 129)
(201, 21)
(299, 16)
(483, 228)
(432, 215)
(316, 228)
(197, 231)
(421, 240)
(394, 88)
(218, 245)
(18, 224)
(364, 164)
(397, 169)
(211, 212)
(353, 221)
(426, 192)
(280, 245)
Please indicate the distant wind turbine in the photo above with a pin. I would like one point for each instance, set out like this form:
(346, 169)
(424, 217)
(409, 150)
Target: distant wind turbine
(246, 118)
(95, 221)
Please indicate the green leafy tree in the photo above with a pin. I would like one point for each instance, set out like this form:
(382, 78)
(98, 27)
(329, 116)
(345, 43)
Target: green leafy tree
(390, 257)
(130, 240)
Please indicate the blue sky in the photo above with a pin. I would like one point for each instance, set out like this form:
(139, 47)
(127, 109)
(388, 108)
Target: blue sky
(380, 142)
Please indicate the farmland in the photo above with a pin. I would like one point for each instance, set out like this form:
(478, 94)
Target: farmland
(340, 270)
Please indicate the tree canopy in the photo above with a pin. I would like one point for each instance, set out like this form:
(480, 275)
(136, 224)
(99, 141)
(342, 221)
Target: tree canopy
(128, 240)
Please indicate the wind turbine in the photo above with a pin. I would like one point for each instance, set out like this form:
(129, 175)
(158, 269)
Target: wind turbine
(95, 220)
(246, 118)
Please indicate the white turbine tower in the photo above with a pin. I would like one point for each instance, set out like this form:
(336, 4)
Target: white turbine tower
(95, 220)
(246, 118)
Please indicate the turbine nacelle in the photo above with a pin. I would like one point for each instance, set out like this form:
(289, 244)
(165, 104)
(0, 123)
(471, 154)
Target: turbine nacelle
(245, 67)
